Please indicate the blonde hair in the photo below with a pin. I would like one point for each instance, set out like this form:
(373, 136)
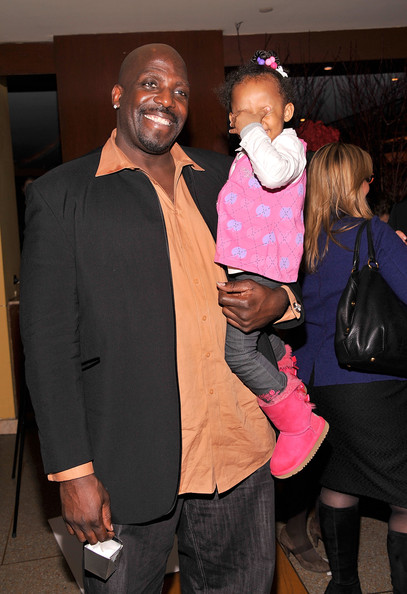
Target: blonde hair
(334, 189)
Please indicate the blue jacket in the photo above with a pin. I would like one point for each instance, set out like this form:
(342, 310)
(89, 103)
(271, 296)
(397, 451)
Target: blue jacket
(321, 293)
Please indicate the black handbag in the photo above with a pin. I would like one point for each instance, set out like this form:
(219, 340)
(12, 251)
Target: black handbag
(371, 321)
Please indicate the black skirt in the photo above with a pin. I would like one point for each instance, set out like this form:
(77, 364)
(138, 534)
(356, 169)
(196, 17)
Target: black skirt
(366, 447)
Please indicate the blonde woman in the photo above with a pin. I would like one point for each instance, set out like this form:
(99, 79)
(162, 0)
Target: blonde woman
(367, 413)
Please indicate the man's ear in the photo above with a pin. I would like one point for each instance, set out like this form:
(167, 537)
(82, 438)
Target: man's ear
(288, 112)
(116, 94)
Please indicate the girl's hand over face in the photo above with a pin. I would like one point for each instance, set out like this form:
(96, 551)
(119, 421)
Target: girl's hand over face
(243, 118)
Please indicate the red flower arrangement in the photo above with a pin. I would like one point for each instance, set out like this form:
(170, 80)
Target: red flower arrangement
(316, 134)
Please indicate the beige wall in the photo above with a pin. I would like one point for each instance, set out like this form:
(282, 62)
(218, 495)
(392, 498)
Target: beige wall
(9, 256)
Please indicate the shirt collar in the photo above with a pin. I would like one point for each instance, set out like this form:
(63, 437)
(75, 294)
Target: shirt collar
(113, 159)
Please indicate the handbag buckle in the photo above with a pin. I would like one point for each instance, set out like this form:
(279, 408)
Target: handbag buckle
(373, 264)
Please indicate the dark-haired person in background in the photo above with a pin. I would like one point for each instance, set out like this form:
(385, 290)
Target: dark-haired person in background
(398, 218)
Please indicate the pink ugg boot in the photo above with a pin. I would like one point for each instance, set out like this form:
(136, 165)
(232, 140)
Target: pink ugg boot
(301, 430)
(288, 363)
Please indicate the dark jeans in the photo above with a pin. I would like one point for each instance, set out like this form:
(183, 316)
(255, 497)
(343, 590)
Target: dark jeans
(226, 544)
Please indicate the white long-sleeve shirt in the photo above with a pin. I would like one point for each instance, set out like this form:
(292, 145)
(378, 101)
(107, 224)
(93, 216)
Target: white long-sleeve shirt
(276, 163)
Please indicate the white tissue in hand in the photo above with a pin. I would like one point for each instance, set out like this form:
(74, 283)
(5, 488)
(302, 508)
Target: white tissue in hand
(105, 549)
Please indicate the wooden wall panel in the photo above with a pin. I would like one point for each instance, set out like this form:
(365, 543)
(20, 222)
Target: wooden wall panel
(26, 58)
(87, 67)
(320, 46)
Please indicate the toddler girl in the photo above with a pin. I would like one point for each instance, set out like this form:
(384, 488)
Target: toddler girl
(260, 236)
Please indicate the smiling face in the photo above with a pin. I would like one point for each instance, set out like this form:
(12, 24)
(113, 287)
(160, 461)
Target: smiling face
(152, 96)
(253, 95)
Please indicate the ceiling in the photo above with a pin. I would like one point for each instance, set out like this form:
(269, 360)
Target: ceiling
(28, 20)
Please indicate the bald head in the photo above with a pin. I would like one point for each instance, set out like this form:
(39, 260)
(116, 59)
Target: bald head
(151, 99)
(136, 59)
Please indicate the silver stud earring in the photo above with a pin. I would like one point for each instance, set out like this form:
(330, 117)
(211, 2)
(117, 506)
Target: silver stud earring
(115, 106)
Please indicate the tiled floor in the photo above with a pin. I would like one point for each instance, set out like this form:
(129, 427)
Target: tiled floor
(32, 562)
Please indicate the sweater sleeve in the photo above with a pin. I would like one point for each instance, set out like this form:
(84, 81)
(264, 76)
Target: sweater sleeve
(276, 163)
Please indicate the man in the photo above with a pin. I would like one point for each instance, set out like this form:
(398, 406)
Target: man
(124, 342)
(398, 219)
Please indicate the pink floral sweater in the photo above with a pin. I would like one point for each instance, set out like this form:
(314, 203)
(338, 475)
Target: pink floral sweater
(261, 229)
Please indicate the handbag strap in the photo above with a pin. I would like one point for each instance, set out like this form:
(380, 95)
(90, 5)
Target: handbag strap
(372, 257)
(372, 262)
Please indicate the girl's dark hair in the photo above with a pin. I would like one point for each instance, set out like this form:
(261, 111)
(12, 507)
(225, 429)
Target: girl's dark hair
(253, 69)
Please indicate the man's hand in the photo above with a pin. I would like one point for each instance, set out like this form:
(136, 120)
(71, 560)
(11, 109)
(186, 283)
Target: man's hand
(250, 306)
(86, 509)
(402, 235)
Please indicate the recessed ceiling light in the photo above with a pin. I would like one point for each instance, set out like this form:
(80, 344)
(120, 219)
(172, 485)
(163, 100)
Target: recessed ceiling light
(395, 78)
(328, 67)
(302, 120)
(269, 9)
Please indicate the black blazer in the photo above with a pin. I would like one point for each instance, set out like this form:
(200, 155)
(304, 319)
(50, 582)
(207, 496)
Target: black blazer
(98, 326)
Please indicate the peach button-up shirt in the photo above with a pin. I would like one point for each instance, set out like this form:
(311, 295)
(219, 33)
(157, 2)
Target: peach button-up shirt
(225, 435)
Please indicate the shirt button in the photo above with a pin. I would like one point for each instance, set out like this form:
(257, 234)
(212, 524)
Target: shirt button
(210, 391)
(207, 355)
(196, 281)
(204, 318)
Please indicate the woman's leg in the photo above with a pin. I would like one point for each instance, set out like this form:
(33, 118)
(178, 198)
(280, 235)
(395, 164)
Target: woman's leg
(340, 525)
(296, 496)
(337, 499)
(397, 548)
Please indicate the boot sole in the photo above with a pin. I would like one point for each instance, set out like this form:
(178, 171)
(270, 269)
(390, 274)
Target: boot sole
(312, 453)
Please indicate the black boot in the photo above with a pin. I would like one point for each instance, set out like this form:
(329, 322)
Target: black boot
(340, 534)
(397, 550)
